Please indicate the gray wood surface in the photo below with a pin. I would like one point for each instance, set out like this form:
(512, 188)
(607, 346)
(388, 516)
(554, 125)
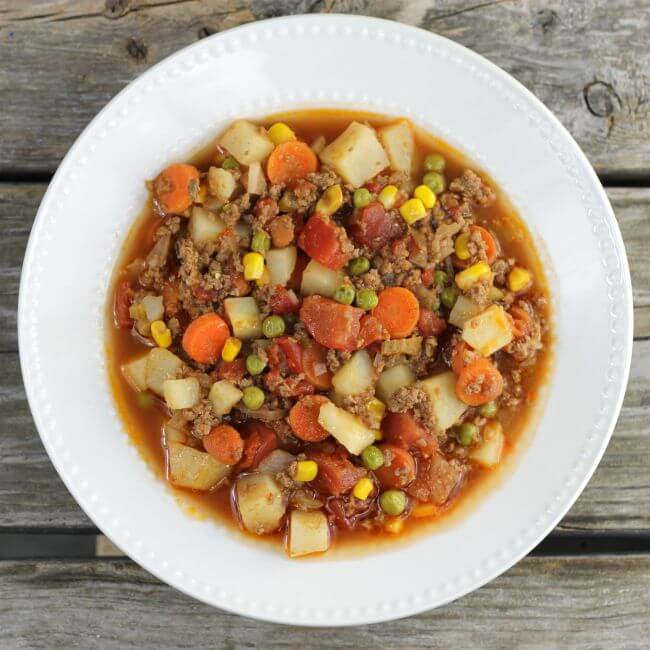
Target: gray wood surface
(541, 602)
(588, 61)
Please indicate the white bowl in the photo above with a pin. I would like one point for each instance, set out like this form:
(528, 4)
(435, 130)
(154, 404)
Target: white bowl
(321, 61)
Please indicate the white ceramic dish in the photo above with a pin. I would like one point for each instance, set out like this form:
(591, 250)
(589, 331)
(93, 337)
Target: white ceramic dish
(255, 70)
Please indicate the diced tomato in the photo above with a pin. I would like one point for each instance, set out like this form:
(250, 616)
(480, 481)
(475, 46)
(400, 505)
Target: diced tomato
(332, 324)
(123, 298)
(201, 294)
(287, 386)
(171, 298)
(323, 240)
(284, 301)
(403, 430)
(430, 324)
(373, 227)
(374, 187)
(288, 349)
(371, 331)
(233, 371)
(428, 276)
(260, 441)
(314, 365)
(336, 474)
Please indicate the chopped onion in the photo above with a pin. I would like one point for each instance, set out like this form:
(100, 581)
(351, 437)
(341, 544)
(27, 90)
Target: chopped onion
(277, 461)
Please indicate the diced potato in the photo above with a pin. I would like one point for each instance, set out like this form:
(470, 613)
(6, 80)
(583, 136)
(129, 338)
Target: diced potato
(463, 310)
(281, 262)
(244, 317)
(411, 346)
(247, 142)
(399, 144)
(153, 307)
(190, 468)
(348, 429)
(136, 372)
(204, 226)
(174, 430)
(318, 144)
(309, 532)
(181, 393)
(356, 155)
(161, 365)
(442, 394)
(318, 279)
(355, 376)
(393, 379)
(260, 502)
(489, 331)
(488, 453)
(277, 461)
(224, 395)
(254, 180)
(222, 183)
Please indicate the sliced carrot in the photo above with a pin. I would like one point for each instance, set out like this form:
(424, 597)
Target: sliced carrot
(491, 249)
(205, 337)
(314, 365)
(289, 162)
(175, 187)
(398, 311)
(225, 444)
(479, 383)
(398, 469)
(303, 418)
(522, 323)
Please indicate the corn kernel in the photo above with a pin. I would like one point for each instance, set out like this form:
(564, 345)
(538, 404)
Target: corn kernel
(472, 274)
(388, 196)
(394, 525)
(231, 348)
(461, 246)
(265, 279)
(519, 279)
(161, 334)
(330, 201)
(424, 510)
(376, 409)
(364, 486)
(253, 266)
(412, 210)
(306, 470)
(426, 195)
(280, 133)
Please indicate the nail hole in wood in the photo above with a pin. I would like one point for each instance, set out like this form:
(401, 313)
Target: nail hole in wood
(137, 49)
(116, 8)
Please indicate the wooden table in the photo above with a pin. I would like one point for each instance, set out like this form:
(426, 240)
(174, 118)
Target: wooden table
(586, 586)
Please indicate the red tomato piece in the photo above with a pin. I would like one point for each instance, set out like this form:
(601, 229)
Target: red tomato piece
(260, 441)
(330, 323)
(284, 301)
(430, 324)
(371, 331)
(336, 474)
(314, 365)
(373, 227)
(123, 298)
(323, 240)
(233, 371)
(403, 430)
(288, 349)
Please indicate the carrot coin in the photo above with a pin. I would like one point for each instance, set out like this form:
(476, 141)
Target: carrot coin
(398, 311)
(225, 444)
(205, 337)
(289, 162)
(303, 418)
(175, 187)
(479, 383)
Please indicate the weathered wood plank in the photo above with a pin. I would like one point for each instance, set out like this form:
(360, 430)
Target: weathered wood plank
(585, 602)
(64, 59)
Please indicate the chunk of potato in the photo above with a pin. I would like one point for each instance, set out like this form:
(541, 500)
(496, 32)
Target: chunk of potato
(356, 155)
(260, 502)
(174, 430)
(135, 372)
(244, 317)
(309, 532)
(488, 453)
(393, 379)
(189, 468)
(153, 307)
(463, 310)
(255, 180)
(181, 393)
(411, 346)
(355, 376)
(221, 183)
(224, 395)
(161, 365)
(488, 331)
(441, 390)
(247, 142)
(348, 429)
(281, 262)
(319, 280)
(204, 226)
(399, 144)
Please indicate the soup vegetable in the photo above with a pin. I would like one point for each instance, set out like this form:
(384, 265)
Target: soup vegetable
(339, 328)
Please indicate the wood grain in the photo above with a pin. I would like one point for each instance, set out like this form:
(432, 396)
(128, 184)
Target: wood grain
(539, 603)
(64, 59)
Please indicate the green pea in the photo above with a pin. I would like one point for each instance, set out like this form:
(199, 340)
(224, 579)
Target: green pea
(361, 197)
(273, 326)
(145, 400)
(434, 181)
(230, 163)
(449, 296)
(489, 410)
(372, 457)
(393, 502)
(253, 397)
(440, 278)
(261, 242)
(359, 265)
(467, 433)
(254, 364)
(434, 162)
(287, 202)
(367, 299)
(344, 294)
